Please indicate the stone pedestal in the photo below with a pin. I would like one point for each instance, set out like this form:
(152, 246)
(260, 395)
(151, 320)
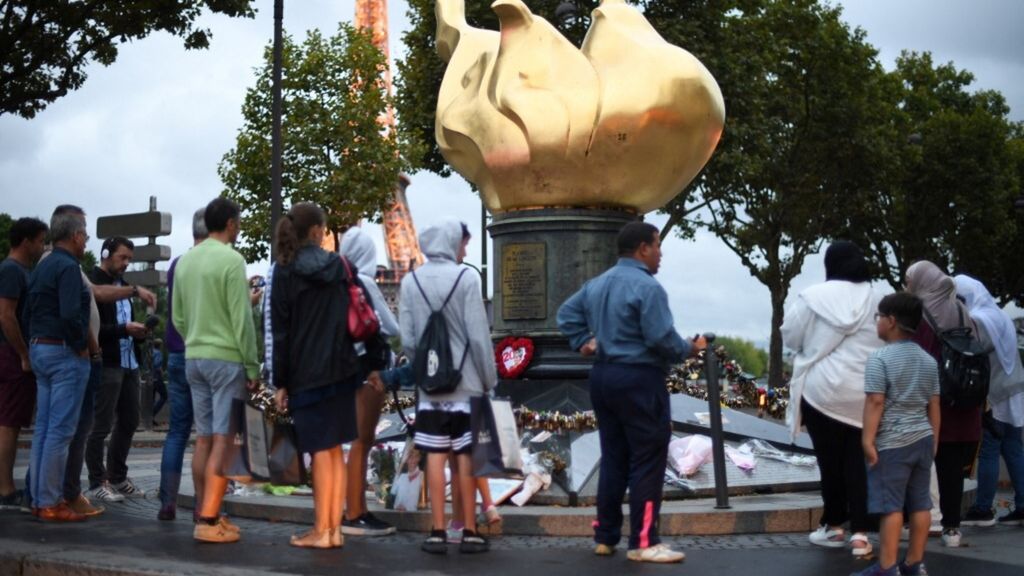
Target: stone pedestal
(541, 257)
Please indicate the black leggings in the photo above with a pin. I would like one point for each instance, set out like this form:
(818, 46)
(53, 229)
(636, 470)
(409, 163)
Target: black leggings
(844, 478)
(951, 462)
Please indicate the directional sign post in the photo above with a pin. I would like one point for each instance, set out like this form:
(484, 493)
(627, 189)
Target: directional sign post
(149, 225)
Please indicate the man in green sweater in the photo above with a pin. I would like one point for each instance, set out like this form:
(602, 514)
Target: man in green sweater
(212, 312)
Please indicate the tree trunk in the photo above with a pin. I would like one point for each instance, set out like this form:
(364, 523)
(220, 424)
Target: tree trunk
(775, 367)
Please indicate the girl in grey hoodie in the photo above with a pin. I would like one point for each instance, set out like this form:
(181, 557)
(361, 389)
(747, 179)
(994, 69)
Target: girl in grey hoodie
(359, 249)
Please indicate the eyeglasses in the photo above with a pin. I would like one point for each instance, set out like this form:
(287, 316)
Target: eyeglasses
(880, 315)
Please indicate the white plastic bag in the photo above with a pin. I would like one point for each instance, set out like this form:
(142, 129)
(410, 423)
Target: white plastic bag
(689, 453)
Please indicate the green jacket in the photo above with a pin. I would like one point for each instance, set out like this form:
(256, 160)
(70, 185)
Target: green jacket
(211, 306)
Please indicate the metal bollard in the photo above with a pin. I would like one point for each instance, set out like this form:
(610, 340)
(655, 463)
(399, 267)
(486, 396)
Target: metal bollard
(715, 411)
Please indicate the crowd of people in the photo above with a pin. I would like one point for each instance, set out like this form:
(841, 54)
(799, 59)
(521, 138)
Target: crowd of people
(866, 386)
(866, 383)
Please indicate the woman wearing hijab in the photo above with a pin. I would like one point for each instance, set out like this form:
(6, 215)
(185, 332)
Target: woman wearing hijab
(1001, 433)
(960, 431)
(831, 329)
(358, 248)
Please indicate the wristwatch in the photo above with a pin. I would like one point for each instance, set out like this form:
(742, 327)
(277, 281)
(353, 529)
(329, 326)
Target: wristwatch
(135, 291)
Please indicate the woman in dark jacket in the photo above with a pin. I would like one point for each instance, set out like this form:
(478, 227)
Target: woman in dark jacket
(315, 368)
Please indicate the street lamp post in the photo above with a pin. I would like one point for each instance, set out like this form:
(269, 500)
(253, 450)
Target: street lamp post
(275, 135)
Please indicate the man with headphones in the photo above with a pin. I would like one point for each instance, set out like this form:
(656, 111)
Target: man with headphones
(117, 400)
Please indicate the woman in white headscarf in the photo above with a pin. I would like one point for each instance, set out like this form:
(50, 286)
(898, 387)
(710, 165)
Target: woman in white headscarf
(1003, 426)
(359, 249)
(960, 432)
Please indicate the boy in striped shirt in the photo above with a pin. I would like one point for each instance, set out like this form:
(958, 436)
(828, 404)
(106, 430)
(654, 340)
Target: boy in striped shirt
(901, 428)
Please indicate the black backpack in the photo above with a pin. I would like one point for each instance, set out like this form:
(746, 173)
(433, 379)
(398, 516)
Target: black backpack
(432, 367)
(963, 367)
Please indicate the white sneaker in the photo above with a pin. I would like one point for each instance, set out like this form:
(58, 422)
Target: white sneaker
(829, 538)
(658, 554)
(128, 489)
(106, 493)
(951, 538)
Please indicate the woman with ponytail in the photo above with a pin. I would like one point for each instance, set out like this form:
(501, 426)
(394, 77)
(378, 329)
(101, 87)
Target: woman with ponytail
(315, 368)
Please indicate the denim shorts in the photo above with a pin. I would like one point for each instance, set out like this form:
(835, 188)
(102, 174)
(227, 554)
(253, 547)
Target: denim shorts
(214, 384)
(901, 476)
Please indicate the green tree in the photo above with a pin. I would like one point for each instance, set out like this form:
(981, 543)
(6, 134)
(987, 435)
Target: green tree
(334, 152)
(5, 226)
(952, 169)
(46, 45)
(88, 262)
(802, 93)
(752, 359)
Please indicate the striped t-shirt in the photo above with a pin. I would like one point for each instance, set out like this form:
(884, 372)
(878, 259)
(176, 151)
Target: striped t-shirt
(909, 377)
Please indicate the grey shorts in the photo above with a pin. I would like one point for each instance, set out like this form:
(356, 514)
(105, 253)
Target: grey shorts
(900, 477)
(214, 384)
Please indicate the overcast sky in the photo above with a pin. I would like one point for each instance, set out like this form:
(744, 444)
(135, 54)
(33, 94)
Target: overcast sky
(159, 120)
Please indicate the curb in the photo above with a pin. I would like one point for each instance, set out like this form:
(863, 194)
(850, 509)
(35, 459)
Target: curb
(749, 515)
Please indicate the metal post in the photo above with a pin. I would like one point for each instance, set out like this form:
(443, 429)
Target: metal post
(146, 391)
(483, 248)
(275, 136)
(715, 411)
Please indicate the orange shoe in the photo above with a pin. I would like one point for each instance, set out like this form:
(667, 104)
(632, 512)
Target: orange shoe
(60, 513)
(81, 505)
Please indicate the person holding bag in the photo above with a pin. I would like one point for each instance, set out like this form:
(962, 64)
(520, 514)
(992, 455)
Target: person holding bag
(315, 367)
(443, 418)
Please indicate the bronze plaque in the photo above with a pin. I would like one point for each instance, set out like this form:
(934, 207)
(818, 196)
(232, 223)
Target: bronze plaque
(523, 282)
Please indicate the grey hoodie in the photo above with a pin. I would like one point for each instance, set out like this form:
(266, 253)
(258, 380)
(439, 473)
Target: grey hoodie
(464, 313)
(358, 247)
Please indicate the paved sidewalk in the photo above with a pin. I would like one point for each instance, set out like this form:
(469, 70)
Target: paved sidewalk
(129, 540)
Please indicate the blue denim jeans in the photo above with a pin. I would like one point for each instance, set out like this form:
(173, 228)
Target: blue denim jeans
(61, 379)
(76, 451)
(1011, 448)
(180, 428)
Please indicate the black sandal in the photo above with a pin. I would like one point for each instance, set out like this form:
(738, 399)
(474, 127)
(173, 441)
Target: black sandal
(436, 543)
(473, 543)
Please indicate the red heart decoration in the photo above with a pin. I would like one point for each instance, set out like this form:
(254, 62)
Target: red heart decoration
(513, 356)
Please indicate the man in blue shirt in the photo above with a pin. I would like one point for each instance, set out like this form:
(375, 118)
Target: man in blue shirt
(58, 322)
(622, 317)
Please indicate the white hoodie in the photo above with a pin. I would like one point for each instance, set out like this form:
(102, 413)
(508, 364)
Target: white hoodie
(831, 329)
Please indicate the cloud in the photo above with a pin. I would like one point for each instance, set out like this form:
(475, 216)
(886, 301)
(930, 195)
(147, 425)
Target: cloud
(158, 121)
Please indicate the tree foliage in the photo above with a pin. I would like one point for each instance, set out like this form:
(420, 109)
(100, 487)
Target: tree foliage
(950, 173)
(5, 227)
(752, 359)
(333, 149)
(802, 93)
(46, 45)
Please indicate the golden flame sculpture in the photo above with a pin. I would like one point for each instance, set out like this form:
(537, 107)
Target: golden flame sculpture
(627, 121)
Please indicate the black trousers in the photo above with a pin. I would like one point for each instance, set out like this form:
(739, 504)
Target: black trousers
(117, 415)
(634, 425)
(844, 477)
(951, 463)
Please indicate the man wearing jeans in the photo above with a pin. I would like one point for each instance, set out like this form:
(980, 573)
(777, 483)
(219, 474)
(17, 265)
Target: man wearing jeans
(181, 399)
(58, 318)
(622, 317)
(17, 385)
(211, 310)
(117, 401)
